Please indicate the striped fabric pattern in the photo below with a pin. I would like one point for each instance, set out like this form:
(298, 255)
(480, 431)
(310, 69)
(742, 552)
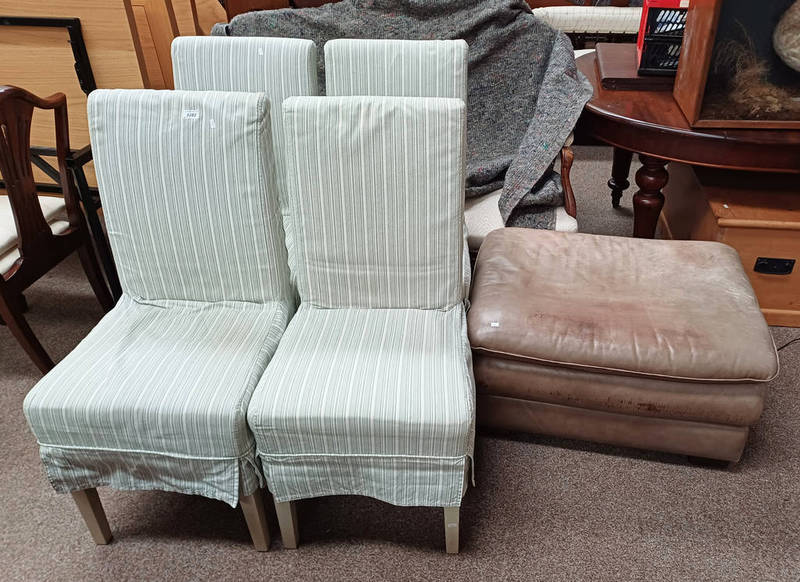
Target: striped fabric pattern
(375, 402)
(420, 68)
(400, 68)
(185, 177)
(376, 196)
(371, 390)
(277, 67)
(155, 397)
(592, 19)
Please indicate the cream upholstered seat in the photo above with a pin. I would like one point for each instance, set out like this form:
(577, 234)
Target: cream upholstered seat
(371, 390)
(482, 215)
(581, 52)
(417, 68)
(156, 396)
(591, 19)
(55, 213)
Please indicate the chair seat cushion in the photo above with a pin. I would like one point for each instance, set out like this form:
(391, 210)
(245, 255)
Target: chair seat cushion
(55, 214)
(53, 209)
(591, 19)
(376, 402)
(156, 396)
(8, 258)
(676, 310)
(482, 216)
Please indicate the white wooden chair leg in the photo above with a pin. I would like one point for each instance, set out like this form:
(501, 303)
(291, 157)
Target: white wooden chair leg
(256, 518)
(287, 520)
(451, 515)
(88, 502)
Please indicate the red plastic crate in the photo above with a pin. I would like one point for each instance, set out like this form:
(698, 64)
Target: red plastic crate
(664, 40)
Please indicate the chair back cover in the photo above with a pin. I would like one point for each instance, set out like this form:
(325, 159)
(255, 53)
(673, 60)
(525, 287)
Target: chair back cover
(278, 67)
(189, 194)
(402, 68)
(376, 191)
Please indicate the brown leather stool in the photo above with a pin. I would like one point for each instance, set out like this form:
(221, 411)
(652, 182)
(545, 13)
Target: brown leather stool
(643, 343)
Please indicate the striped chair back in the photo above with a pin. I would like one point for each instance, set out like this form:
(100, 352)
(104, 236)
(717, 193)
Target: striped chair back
(376, 190)
(189, 194)
(277, 67)
(401, 68)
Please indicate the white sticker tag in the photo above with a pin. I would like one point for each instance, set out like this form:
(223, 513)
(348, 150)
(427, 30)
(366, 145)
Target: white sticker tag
(684, 4)
(212, 124)
(260, 52)
(494, 324)
(191, 114)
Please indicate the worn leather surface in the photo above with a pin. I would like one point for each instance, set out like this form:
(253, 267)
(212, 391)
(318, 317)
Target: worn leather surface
(712, 441)
(731, 404)
(668, 309)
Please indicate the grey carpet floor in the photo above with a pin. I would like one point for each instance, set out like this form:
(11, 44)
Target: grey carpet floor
(543, 508)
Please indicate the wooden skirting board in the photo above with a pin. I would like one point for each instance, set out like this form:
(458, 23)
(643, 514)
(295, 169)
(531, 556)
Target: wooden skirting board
(756, 213)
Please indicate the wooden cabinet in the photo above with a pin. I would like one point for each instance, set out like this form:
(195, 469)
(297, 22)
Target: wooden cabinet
(756, 213)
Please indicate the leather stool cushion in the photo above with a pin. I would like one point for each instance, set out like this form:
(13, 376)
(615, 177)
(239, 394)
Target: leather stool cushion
(669, 310)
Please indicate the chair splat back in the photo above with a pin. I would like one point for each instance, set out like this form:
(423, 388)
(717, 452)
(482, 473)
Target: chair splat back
(34, 248)
(16, 113)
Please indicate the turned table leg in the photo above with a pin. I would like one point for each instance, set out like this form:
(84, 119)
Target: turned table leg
(648, 201)
(619, 174)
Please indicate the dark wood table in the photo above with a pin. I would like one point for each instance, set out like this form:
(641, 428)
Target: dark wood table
(651, 124)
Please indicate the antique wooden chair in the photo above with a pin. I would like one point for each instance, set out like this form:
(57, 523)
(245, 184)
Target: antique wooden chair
(41, 242)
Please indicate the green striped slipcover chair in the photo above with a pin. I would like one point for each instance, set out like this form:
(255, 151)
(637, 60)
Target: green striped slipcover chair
(371, 389)
(155, 397)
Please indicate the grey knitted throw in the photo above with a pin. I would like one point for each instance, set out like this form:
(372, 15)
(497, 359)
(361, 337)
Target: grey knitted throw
(524, 92)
